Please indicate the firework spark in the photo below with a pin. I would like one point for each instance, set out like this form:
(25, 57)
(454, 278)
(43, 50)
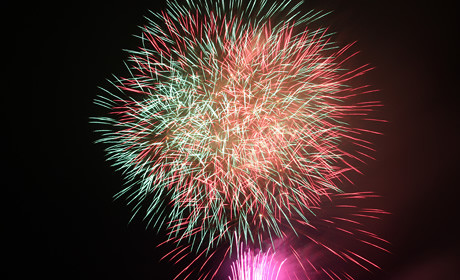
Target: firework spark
(233, 122)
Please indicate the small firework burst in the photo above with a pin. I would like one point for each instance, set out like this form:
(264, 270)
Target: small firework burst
(256, 266)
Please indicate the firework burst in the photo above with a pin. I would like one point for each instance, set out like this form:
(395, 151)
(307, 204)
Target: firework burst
(233, 122)
(255, 266)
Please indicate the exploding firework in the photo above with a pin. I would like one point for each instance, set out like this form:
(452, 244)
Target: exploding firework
(255, 266)
(234, 120)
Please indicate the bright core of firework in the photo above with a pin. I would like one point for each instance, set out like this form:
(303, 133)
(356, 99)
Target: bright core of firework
(256, 266)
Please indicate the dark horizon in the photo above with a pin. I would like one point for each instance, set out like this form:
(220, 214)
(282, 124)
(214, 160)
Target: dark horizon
(62, 221)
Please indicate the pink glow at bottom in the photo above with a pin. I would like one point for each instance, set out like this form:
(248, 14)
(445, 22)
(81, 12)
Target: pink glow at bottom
(256, 266)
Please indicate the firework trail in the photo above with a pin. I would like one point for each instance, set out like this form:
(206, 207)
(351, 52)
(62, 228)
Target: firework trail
(338, 240)
(235, 120)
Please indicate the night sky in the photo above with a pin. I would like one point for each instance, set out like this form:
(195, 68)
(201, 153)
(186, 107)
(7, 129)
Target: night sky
(60, 218)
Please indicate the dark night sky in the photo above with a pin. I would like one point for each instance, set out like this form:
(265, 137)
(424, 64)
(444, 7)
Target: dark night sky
(61, 221)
